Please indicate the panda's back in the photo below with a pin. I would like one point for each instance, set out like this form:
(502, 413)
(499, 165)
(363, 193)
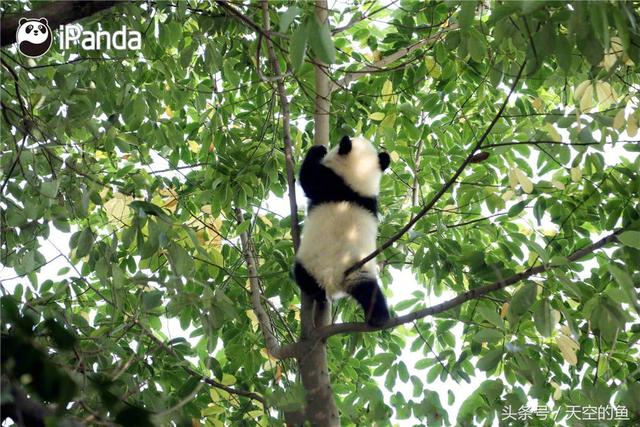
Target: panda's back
(336, 235)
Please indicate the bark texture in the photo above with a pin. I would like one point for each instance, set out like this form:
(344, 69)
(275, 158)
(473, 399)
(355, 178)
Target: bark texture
(321, 408)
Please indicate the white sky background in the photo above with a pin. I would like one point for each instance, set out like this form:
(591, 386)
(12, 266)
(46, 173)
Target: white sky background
(403, 284)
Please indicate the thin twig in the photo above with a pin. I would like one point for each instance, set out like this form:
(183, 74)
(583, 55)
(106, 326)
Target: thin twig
(444, 188)
(382, 63)
(286, 128)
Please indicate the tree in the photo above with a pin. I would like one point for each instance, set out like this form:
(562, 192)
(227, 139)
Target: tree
(136, 189)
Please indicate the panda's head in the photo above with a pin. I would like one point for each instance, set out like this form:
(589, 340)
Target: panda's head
(358, 163)
(33, 37)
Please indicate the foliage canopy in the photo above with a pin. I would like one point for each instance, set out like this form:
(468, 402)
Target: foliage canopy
(153, 164)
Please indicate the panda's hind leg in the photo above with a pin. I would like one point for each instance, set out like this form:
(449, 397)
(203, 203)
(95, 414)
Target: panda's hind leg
(308, 284)
(369, 295)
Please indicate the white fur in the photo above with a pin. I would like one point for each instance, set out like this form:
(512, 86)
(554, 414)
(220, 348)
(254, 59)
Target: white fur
(336, 236)
(360, 169)
(22, 34)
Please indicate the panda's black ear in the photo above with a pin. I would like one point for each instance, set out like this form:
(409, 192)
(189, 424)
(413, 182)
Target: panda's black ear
(22, 21)
(345, 145)
(384, 159)
(43, 21)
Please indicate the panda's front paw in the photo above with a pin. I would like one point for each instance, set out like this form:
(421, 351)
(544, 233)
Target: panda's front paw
(318, 151)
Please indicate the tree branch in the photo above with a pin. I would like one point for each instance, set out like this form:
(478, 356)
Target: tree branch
(415, 186)
(272, 344)
(382, 63)
(505, 144)
(27, 411)
(327, 331)
(195, 373)
(444, 188)
(57, 13)
(286, 127)
(225, 4)
(363, 15)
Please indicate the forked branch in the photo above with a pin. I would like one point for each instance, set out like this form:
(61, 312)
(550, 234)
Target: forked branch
(264, 322)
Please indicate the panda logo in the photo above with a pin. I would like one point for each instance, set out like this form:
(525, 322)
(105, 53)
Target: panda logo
(34, 37)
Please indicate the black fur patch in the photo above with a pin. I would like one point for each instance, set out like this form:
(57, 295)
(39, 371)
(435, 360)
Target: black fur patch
(322, 185)
(308, 284)
(370, 297)
(385, 160)
(345, 146)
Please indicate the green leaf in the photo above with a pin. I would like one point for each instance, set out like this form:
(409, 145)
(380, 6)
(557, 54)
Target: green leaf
(630, 238)
(622, 26)
(85, 240)
(15, 217)
(321, 41)
(542, 253)
(490, 360)
(229, 72)
(467, 13)
(423, 363)
(488, 335)
(563, 53)
(517, 208)
(433, 373)
(152, 299)
(625, 281)
(287, 18)
(524, 297)
(543, 318)
(539, 208)
(298, 46)
(403, 305)
(598, 15)
(150, 209)
(171, 33)
(403, 373)
(559, 260)
(606, 317)
(181, 261)
(243, 227)
(49, 188)
(477, 48)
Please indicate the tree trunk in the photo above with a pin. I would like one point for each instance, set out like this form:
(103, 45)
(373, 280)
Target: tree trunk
(323, 89)
(321, 408)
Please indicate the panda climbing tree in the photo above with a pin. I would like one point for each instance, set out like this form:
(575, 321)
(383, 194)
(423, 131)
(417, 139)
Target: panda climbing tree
(341, 227)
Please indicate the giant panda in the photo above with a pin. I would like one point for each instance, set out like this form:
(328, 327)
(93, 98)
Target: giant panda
(341, 226)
